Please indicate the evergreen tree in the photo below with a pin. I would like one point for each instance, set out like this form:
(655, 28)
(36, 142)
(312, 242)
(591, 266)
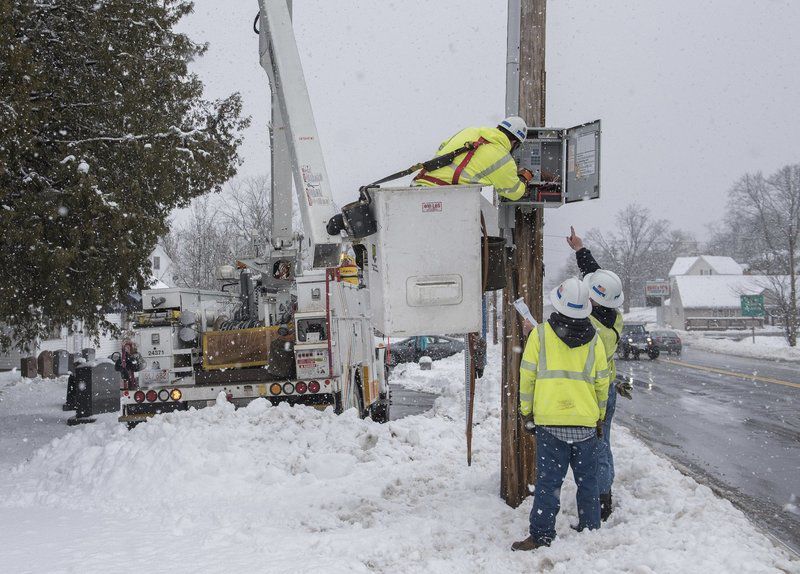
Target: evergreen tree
(103, 131)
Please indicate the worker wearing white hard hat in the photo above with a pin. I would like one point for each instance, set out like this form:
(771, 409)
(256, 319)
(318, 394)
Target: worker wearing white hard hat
(563, 393)
(487, 162)
(606, 294)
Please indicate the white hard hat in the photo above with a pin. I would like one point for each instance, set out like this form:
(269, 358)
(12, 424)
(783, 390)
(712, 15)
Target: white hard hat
(571, 298)
(605, 288)
(516, 126)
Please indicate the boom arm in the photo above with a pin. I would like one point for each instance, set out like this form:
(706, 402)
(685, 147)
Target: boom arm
(281, 60)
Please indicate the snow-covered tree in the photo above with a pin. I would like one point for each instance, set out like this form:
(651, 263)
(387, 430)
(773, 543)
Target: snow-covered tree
(199, 246)
(768, 209)
(640, 249)
(103, 131)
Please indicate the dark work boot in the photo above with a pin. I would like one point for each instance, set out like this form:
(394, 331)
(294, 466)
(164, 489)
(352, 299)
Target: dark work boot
(605, 506)
(525, 545)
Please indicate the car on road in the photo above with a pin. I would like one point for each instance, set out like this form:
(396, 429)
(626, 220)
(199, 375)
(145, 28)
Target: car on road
(635, 340)
(667, 341)
(434, 346)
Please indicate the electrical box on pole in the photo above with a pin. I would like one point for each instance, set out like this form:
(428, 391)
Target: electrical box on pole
(565, 164)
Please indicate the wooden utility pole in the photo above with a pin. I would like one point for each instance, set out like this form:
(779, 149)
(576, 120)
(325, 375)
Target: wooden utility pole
(524, 267)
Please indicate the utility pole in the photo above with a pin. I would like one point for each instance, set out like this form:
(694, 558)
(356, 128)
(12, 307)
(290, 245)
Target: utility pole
(525, 96)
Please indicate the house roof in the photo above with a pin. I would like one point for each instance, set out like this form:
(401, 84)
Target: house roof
(721, 265)
(720, 291)
(681, 265)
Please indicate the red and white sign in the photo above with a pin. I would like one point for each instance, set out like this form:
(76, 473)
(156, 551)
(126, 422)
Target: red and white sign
(431, 206)
(656, 289)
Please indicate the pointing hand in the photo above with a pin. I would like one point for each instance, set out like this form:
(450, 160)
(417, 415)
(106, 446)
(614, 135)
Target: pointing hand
(574, 241)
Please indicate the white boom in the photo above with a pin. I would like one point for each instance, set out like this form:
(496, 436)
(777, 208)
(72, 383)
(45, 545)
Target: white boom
(294, 127)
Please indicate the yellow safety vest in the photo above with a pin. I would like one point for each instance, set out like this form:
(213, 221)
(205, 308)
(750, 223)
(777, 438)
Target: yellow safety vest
(563, 386)
(490, 164)
(610, 340)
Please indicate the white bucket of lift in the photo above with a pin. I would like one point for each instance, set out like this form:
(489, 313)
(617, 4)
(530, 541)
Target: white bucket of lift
(424, 262)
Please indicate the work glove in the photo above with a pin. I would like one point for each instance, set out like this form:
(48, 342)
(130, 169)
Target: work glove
(525, 175)
(624, 388)
(599, 428)
(528, 424)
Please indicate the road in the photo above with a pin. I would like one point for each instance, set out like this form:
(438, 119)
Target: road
(406, 402)
(732, 422)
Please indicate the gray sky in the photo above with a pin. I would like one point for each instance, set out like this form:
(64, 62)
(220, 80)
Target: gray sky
(692, 94)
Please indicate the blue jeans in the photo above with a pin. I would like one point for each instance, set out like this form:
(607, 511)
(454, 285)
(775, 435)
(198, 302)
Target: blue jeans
(605, 458)
(553, 457)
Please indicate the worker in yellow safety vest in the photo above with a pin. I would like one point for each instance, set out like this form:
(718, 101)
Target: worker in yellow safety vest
(488, 162)
(605, 292)
(563, 393)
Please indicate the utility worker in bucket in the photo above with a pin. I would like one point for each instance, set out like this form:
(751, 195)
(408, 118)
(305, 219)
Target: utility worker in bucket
(488, 163)
(563, 393)
(605, 292)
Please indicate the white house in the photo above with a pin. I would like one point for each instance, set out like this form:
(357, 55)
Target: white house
(710, 296)
(705, 265)
(709, 287)
(163, 269)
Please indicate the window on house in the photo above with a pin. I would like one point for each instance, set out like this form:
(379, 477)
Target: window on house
(156, 263)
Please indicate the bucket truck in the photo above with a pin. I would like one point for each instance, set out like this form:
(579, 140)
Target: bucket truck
(299, 330)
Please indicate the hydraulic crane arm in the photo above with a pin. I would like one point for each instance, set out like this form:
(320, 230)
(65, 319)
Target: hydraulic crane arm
(281, 60)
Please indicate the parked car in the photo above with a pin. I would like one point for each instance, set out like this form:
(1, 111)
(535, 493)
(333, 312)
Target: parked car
(667, 341)
(635, 340)
(434, 346)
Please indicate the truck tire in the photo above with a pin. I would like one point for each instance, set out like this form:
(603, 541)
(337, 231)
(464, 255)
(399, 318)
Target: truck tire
(380, 411)
(653, 354)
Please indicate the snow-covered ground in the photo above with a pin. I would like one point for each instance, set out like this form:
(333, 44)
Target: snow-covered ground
(279, 489)
(765, 347)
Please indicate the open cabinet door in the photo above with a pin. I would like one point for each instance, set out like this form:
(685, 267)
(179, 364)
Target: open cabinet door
(583, 163)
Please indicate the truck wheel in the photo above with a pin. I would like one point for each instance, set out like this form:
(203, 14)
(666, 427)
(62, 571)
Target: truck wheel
(653, 354)
(380, 411)
(358, 395)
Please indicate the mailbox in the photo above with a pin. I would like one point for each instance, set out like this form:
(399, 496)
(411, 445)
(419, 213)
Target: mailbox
(45, 365)
(565, 164)
(97, 390)
(60, 363)
(28, 367)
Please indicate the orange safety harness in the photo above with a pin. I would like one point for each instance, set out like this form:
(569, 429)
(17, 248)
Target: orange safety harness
(422, 175)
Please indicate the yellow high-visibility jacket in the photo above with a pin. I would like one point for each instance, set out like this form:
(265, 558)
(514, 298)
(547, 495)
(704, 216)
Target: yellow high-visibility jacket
(491, 164)
(563, 386)
(610, 338)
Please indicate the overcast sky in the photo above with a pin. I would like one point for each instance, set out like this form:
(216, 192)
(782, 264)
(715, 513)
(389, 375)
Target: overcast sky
(692, 93)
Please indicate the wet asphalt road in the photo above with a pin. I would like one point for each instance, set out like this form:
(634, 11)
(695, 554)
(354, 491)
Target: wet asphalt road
(738, 434)
(406, 402)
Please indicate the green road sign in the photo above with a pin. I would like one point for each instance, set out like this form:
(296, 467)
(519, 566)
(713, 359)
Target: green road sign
(752, 305)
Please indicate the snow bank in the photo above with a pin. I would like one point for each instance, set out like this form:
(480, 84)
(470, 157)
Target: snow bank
(280, 489)
(771, 348)
(641, 315)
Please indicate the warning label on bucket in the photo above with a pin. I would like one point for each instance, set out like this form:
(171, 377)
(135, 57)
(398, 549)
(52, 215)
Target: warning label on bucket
(431, 206)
